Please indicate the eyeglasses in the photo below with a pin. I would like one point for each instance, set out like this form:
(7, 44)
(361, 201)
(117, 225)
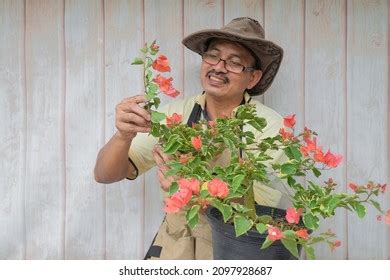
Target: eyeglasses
(230, 65)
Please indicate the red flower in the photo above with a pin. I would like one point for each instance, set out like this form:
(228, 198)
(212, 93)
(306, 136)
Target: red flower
(353, 186)
(174, 119)
(302, 233)
(274, 233)
(184, 158)
(382, 188)
(332, 160)
(212, 123)
(196, 143)
(318, 156)
(155, 47)
(285, 135)
(172, 92)
(192, 184)
(293, 215)
(388, 217)
(335, 244)
(379, 218)
(163, 83)
(289, 121)
(161, 64)
(178, 200)
(218, 188)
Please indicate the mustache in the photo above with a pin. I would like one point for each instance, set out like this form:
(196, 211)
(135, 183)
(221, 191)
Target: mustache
(218, 74)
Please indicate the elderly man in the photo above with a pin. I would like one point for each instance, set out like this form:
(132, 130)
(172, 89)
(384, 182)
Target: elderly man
(237, 63)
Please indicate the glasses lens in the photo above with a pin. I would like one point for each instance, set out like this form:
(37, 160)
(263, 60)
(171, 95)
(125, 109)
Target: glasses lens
(234, 67)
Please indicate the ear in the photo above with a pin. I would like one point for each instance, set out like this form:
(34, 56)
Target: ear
(255, 78)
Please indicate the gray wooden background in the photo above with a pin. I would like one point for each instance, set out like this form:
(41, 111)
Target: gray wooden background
(64, 65)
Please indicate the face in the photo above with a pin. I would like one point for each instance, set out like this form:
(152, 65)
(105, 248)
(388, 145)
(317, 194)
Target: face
(219, 82)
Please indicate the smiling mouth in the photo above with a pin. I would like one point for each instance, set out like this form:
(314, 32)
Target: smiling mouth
(217, 79)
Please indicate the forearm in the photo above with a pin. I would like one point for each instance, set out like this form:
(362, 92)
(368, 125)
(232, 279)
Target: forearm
(112, 163)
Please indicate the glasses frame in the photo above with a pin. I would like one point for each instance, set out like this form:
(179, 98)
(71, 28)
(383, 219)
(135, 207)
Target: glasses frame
(226, 63)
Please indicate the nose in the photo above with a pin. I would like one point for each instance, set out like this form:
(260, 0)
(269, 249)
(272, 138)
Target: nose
(221, 66)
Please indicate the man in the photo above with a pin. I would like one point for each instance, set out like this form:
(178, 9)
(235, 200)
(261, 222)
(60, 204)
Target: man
(237, 63)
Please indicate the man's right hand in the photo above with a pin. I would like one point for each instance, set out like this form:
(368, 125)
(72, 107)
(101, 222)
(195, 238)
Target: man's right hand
(131, 117)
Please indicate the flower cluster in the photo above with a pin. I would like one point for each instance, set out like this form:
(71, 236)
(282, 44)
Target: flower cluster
(200, 183)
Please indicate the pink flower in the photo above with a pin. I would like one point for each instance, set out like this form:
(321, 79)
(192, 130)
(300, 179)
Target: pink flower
(289, 121)
(379, 218)
(274, 233)
(285, 135)
(178, 200)
(155, 47)
(332, 160)
(388, 217)
(184, 158)
(302, 233)
(163, 83)
(382, 187)
(353, 186)
(161, 64)
(193, 184)
(172, 92)
(174, 119)
(293, 215)
(218, 188)
(335, 244)
(196, 143)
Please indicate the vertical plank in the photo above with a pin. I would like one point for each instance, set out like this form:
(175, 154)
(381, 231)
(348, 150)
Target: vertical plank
(123, 38)
(198, 15)
(44, 193)
(246, 8)
(168, 31)
(325, 98)
(284, 24)
(12, 130)
(367, 89)
(84, 134)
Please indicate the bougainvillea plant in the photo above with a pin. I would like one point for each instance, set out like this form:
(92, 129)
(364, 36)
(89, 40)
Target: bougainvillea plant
(199, 182)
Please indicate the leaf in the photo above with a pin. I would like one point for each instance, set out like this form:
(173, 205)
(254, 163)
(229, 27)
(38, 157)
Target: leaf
(316, 172)
(152, 88)
(193, 222)
(288, 168)
(193, 212)
(332, 204)
(376, 205)
(311, 221)
(157, 117)
(137, 61)
(360, 210)
(261, 227)
(237, 180)
(172, 148)
(242, 225)
(226, 210)
(293, 153)
(173, 188)
(266, 243)
(309, 252)
(291, 246)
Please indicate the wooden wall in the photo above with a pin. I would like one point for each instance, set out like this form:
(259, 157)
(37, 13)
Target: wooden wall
(65, 64)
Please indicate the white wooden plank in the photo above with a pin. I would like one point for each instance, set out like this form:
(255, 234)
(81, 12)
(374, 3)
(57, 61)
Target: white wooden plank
(367, 118)
(325, 99)
(284, 24)
(168, 31)
(198, 15)
(12, 130)
(245, 8)
(124, 205)
(44, 190)
(84, 134)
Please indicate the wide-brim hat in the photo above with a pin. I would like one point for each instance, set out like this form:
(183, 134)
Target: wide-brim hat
(249, 33)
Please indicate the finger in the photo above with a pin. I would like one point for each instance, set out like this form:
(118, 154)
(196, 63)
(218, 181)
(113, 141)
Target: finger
(133, 119)
(164, 156)
(160, 162)
(164, 182)
(126, 127)
(134, 108)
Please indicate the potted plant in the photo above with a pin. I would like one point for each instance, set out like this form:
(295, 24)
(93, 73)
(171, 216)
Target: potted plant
(226, 194)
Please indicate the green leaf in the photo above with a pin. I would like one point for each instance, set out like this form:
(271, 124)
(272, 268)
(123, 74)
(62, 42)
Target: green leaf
(242, 225)
(288, 168)
(332, 204)
(261, 227)
(376, 205)
(173, 188)
(360, 210)
(137, 61)
(316, 172)
(193, 222)
(266, 243)
(237, 180)
(157, 117)
(226, 210)
(292, 152)
(193, 212)
(152, 88)
(309, 252)
(291, 246)
(311, 221)
(172, 147)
